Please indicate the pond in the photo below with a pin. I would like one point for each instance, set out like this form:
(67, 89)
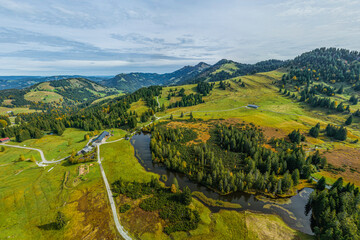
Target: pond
(291, 210)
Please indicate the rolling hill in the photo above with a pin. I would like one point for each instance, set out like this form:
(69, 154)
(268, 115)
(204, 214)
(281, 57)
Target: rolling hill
(221, 70)
(19, 82)
(133, 81)
(64, 91)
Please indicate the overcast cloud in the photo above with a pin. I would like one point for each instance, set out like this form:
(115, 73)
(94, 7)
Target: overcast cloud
(106, 37)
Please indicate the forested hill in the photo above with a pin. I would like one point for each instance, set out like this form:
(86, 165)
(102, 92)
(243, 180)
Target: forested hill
(225, 69)
(329, 65)
(222, 70)
(133, 81)
(9, 82)
(60, 92)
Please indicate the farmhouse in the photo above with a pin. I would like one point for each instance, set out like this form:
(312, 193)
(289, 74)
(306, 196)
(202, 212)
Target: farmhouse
(102, 137)
(4, 140)
(253, 106)
(86, 149)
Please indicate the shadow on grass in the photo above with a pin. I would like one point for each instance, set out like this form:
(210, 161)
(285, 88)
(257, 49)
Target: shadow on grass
(49, 226)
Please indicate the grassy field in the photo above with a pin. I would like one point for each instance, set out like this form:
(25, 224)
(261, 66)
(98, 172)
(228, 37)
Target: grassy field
(16, 110)
(43, 96)
(139, 107)
(108, 97)
(118, 160)
(30, 197)
(278, 115)
(57, 147)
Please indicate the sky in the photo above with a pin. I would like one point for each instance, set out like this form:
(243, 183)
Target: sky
(107, 37)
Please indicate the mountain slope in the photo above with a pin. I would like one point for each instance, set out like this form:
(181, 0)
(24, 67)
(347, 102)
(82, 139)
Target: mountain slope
(225, 69)
(221, 70)
(65, 91)
(133, 81)
(8, 82)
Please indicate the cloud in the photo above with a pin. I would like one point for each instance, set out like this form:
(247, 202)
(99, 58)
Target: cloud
(109, 36)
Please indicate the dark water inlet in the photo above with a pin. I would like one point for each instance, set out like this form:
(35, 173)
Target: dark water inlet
(292, 211)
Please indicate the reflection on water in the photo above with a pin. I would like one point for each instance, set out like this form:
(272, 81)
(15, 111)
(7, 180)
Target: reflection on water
(291, 211)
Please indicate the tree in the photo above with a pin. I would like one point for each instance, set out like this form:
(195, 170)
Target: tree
(22, 158)
(60, 220)
(295, 176)
(32, 158)
(173, 188)
(191, 116)
(314, 131)
(17, 120)
(349, 120)
(175, 182)
(341, 90)
(86, 137)
(3, 123)
(2, 149)
(182, 114)
(171, 117)
(186, 196)
(341, 134)
(321, 184)
(132, 122)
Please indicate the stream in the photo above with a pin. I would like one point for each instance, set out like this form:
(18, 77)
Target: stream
(291, 209)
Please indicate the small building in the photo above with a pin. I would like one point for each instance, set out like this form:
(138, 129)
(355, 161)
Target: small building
(9, 112)
(253, 106)
(4, 140)
(102, 137)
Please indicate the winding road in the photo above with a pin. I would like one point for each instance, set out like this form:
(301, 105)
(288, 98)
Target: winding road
(43, 162)
(119, 227)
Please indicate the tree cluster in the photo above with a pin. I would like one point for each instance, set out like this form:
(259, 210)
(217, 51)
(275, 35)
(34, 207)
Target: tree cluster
(188, 100)
(339, 133)
(233, 160)
(335, 212)
(204, 88)
(172, 205)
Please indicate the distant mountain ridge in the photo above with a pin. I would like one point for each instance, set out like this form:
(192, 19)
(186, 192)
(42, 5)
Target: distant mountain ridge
(221, 70)
(132, 81)
(8, 82)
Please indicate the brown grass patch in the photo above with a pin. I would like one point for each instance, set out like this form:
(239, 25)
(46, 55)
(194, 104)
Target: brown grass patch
(201, 128)
(138, 221)
(90, 215)
(348, 159)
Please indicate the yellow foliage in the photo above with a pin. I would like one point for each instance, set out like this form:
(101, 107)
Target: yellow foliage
(173, 188)
(184, 164)
(3, 123)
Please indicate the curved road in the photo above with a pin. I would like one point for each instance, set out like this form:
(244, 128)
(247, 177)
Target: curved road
(43, 162)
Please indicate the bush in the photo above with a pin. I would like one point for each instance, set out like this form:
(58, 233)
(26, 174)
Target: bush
(124, 208)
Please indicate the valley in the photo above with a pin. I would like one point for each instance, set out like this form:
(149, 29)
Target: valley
(233, 140)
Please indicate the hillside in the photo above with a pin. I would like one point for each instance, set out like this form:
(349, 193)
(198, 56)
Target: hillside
(225, 69)
(221, 70)
(64, 91)
(133, 81)
(277, 116)
(19, 82)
